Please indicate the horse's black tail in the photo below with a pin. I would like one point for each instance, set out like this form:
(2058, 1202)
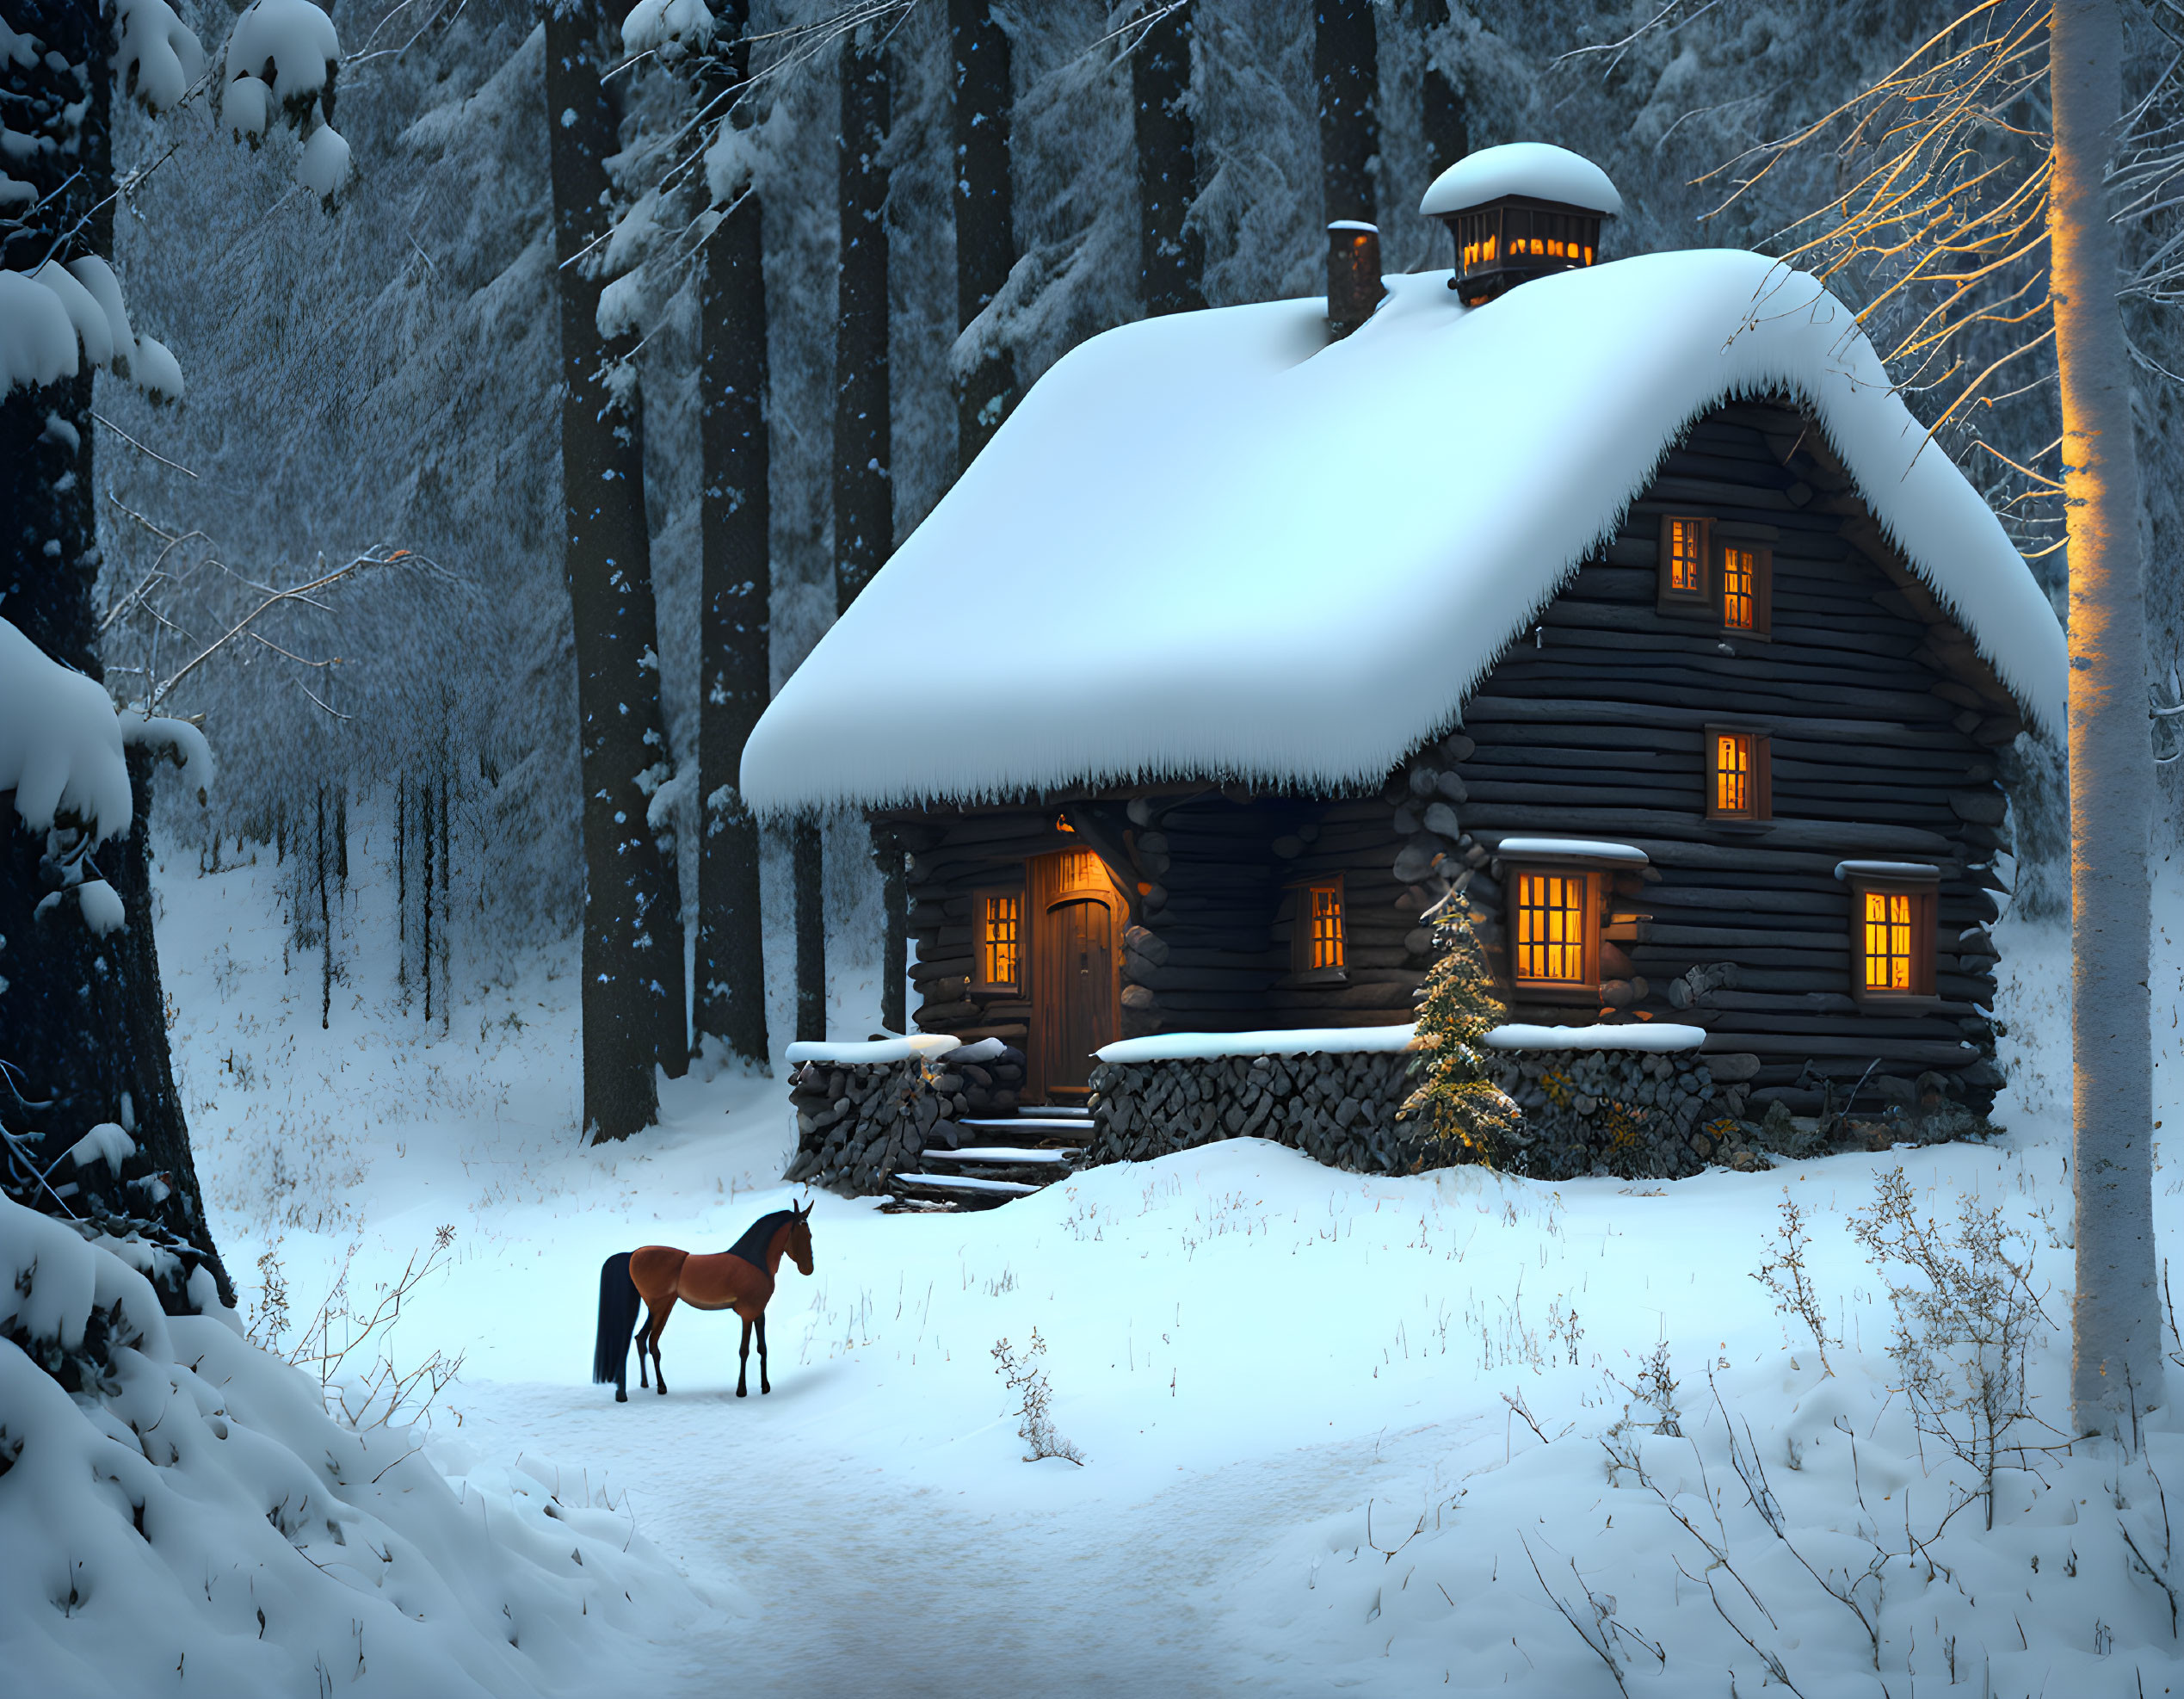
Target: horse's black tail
(618, 1304)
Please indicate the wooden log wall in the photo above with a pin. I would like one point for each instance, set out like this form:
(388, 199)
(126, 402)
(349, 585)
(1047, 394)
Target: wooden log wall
(1889, 739)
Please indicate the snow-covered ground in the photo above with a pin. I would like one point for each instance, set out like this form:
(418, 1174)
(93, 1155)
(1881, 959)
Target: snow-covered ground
(1331, 1425)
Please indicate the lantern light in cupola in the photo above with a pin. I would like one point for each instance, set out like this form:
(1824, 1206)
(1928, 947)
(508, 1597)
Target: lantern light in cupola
(1519, 212)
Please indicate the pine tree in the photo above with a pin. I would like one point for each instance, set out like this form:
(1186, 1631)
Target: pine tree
(1460, 1106)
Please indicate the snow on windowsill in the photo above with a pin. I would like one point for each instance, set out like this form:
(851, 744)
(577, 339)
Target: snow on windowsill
(1516, 849)
(1846, 870)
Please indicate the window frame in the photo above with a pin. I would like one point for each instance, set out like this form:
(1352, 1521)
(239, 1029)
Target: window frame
(1585, 990)
(1300, 928)
(980, 984)
(1925, 925)
(1761, 549)
(1760, 778)
(1665, 596)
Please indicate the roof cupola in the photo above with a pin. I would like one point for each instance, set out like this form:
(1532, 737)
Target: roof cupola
(1519, 212)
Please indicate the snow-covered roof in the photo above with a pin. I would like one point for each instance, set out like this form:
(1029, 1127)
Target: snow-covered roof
(1214, 545)
(1536, 169)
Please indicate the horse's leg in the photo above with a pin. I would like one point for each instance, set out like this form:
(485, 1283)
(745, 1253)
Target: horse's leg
(764, 1385)
(659, 1326)
(644, 1333)
(742, 1364)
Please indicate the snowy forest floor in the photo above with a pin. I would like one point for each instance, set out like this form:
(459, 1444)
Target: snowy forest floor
(1330, 1423)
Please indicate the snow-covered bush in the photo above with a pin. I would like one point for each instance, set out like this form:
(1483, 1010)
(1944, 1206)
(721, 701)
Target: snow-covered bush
(191, 1514)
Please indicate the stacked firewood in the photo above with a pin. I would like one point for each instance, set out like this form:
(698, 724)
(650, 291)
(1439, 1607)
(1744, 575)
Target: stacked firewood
(857, 1126)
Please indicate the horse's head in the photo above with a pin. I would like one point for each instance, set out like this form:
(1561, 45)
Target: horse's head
(799, 1240)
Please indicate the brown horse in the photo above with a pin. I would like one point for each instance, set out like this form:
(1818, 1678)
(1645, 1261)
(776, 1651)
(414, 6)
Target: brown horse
(740, 1278)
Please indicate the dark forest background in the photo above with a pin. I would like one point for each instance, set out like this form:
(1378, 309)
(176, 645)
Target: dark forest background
(383, 373)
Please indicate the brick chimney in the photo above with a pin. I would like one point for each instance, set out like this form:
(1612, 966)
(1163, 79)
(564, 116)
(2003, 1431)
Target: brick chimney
(1353, 287)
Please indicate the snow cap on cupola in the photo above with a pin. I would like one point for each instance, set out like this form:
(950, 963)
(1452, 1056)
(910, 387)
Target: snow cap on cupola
(1519, 212)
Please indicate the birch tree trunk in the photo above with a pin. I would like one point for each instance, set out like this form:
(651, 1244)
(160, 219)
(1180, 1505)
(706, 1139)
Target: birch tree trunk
(2116, 1314)
(736, 590)
(83, 1019)
(634, 1013)
(1346, 62)
(985, 235)
(1171, 254)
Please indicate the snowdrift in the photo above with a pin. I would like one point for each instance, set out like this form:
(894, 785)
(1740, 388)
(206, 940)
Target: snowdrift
(179, 1514)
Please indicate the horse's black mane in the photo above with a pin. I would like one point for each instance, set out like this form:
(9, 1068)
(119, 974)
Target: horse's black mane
(751, 1247)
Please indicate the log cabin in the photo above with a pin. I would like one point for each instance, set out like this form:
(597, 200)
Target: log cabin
(1625, 597)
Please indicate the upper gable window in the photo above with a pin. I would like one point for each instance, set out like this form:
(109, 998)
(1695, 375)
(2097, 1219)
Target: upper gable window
(1746, 599)
(1685, 556)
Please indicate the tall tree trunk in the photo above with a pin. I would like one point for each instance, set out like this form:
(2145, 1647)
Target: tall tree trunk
(985, 233)
(1442, 117)
(633, 944)
(1346, 63)
(82, 1023)
(1171, 254)
(2116, 1313)
(736, 590)
(807, 865)
(864, 491)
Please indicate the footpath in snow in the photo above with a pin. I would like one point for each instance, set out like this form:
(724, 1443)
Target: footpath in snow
(1340, 1433)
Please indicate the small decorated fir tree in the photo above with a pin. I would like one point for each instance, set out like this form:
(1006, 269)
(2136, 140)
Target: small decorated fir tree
(1458, 1104)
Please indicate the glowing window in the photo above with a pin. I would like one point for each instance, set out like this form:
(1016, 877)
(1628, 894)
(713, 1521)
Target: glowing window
(1892, 940)
(1001, 932)
(1324, 926)
(1740, 588)
(1552, 910)
(1888, 940)
(1739, 785)
(1684, 545)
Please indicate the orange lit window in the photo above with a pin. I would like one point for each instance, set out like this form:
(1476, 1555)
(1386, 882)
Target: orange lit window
(1684, 542)
(1553, 928)
(1740, 783)
(1001, 932)
(1324, 934)
(1745, 571)
(1893, 939)
(1739, 588)
(1888, 940)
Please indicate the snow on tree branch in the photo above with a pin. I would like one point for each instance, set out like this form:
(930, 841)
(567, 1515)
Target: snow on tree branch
(281, 58)
(60, 743)
(155, 55)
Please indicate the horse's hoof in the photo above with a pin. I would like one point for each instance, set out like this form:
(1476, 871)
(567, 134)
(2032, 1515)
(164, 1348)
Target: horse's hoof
(663, 1389)
(620, 1397)
(741, 1393)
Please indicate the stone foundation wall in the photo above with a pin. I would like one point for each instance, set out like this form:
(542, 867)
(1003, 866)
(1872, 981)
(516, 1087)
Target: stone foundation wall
(1631, 1113)
(855, 1126)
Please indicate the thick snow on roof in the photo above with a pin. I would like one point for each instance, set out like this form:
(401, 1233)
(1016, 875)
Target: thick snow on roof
(1214, 545)
(1536, 169)
(1661, 1035)
(1183, 1046)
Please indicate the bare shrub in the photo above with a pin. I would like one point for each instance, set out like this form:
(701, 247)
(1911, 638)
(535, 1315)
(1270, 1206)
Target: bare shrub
(1026, 1375)
(1966, 1317)
(346, 1345)
(1791, 1282)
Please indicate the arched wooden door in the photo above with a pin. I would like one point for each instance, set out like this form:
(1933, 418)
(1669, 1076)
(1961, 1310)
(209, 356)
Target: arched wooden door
(1075, 970)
